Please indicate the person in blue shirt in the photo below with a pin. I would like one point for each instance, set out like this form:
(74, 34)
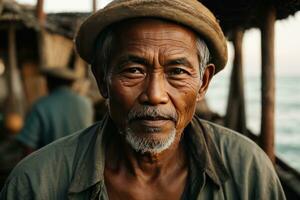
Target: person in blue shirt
(60, 113)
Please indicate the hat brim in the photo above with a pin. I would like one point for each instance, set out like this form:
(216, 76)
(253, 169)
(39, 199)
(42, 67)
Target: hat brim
(189, 13)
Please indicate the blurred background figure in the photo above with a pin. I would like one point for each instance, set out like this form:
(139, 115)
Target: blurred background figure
(59, 114)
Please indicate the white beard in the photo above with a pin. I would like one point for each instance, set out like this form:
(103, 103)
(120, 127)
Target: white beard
(149, 145)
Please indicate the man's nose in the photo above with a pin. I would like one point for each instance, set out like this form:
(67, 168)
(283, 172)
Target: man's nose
(154, 92)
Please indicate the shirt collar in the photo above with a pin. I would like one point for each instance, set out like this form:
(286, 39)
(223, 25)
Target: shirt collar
(90, 170)
(205, 156)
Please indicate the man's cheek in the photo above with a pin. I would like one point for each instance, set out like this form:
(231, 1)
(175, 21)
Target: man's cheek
(186, 110)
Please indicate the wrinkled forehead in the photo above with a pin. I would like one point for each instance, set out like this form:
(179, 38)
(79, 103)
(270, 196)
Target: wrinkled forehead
(154, 30)
(152, 24)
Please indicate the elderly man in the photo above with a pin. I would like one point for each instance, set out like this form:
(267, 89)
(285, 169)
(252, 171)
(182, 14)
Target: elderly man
(153, 60)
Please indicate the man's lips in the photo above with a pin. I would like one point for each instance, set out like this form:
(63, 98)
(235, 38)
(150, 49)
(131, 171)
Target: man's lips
(151, 122)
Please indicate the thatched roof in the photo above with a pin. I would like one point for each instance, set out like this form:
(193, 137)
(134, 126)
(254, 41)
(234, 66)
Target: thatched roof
(231, 13)
(65, 23)
(249, 13)
(24, 16)
(11, 11)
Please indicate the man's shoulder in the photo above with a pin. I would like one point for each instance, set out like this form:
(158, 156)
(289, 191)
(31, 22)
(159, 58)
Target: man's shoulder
(83, 100)
(71, 97)
(250, 170)
(59, 149)
(52, 166)
(40, 102)
(229, 139)
(238, 152)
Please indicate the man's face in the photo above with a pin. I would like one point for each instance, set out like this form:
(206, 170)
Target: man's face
(153, 82)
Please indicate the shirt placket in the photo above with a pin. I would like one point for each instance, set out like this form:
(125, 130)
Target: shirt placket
(99, 192)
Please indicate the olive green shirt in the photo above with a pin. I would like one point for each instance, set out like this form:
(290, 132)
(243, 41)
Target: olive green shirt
(223, 165)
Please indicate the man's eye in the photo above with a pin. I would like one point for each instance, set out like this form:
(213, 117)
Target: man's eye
(177, 71)
(134, 70)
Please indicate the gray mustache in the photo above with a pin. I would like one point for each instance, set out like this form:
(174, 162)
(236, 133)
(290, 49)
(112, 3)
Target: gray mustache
(151, 112)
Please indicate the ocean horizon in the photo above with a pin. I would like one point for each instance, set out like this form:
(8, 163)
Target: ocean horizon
(287, 110)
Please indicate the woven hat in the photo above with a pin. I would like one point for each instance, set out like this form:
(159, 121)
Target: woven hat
(60, 72)
(190, 13)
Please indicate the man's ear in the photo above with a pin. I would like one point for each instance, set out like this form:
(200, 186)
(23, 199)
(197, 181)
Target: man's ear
(207, 76)
(101, 81)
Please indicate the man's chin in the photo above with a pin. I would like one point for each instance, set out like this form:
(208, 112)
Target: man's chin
(150, 141)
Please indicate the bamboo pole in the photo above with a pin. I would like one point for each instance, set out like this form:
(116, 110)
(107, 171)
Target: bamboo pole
(40, 12)
(268, 83)
(41, 16)
(235, 114)
(94, 5)
(16, 97)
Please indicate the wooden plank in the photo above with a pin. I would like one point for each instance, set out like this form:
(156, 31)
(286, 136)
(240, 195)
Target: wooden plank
(41, 16)
(235, 114)
(15, 88)
(15, 101)
(94, 5)
(268, 83)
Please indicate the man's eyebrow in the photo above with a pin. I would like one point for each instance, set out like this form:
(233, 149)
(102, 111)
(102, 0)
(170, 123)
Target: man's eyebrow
(132, 58)
(179, 61)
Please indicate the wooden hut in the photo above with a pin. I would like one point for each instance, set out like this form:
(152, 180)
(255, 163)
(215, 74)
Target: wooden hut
(26, 46)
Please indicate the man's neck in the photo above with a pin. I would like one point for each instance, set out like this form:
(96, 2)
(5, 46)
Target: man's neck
(132, 175)
(147, 166)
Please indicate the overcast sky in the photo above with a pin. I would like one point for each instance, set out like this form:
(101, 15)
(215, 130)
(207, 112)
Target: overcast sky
(287, 37)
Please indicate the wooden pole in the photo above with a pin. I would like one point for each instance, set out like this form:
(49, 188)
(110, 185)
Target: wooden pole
(14, 102)
(41, 16)
(16, 97)
(235, 114)
(94, 5)
(40, 12)
(268, 83)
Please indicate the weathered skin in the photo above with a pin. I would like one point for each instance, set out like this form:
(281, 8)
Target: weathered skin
(155, 64)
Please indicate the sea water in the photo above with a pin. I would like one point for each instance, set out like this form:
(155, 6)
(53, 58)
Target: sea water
(287, 111)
